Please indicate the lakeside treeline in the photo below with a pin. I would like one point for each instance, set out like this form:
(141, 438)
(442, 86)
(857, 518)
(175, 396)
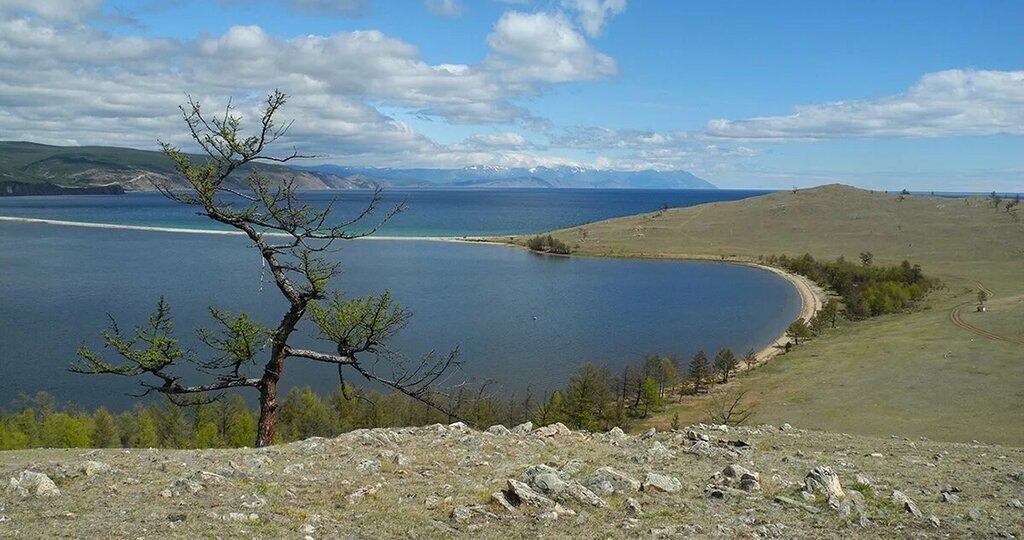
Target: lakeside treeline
(866, 290)
(594, 399)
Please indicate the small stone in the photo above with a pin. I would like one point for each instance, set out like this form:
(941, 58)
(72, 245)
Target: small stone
(660, 482)
(633, 507)
(1015, 503)
(786, 501)
(951, 498)
(876, 455)
(648, 434)
(461, 513)
(616, 433)
(307, 529)
(547, 516)
(902, 500)
(807, 496)
(934, 521)
(786, 427)
(974, 514)
(368, 465)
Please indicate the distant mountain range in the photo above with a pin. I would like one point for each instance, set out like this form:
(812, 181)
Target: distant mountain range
(505, 177)
(140, 170)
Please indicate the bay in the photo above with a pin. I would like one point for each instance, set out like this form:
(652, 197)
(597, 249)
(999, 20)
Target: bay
(521, 319)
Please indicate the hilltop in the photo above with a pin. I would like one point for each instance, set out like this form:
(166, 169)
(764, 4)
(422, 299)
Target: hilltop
(445, 481)
(133, 170)
(137, 170)
(932, 372)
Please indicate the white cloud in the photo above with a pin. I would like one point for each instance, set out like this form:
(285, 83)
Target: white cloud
(544, 47)
(444, 8)
(593, 14)
(64, 10)
(942, 104)
(504, 139)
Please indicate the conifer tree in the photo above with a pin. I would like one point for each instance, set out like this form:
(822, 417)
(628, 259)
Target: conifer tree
(699, 371)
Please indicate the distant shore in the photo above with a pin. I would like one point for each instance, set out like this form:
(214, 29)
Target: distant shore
(812, 297)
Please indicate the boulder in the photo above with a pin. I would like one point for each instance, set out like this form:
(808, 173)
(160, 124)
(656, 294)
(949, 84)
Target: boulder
(619, 481)
(33, 483)
(522, 429)
(660, 482)
(616, 433)
(499, 430)
(519, 493)
(92, 468)
(824, 480)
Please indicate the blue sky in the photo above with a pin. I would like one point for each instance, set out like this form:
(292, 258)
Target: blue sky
(922, 95)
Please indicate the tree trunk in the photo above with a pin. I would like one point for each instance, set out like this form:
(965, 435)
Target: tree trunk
(268, 408)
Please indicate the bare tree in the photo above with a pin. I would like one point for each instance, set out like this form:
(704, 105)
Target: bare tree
(728, 408)
(292, 238)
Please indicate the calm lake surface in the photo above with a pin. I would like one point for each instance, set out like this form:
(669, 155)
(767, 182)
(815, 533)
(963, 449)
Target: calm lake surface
(57, 284)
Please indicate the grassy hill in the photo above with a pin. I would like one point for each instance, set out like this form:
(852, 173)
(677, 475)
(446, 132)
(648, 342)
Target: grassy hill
(133, 169)
(943, 371)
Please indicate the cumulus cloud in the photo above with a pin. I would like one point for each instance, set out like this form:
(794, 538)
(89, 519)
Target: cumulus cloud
(331, 8)
(544, 47)
(77, 84)
(444, 8)
(949, 103)
(593, 14)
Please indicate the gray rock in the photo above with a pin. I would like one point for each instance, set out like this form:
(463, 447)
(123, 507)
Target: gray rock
(33, 483)
(694, 436)
(498, 498)
(523, 429)
(951, 498)
(648, 434)
(904, 502)
(633, 507)
(599, 486)
(93, 468)
(368, 465)
(660, 482)
(458, 426)
(548, 484)
(616, 433)
(620, 480)
(520, 493)
(552, 430)
(824, 480)
(239, 516)
(462, 513)
(786, 501)
(499, 430)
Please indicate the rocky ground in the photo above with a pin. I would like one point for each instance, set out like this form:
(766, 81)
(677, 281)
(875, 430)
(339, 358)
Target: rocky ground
(439, 481)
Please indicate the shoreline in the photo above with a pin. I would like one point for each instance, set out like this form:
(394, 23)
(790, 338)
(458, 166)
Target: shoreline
(812, 297)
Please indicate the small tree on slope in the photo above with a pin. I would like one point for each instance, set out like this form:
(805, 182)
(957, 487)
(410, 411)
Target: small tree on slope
(291, 238)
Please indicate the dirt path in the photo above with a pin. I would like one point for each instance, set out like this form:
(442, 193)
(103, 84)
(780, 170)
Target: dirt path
(957, 320)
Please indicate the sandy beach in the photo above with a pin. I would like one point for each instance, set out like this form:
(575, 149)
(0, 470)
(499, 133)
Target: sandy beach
(812, 299)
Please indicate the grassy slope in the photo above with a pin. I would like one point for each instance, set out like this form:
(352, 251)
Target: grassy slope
(914, 374)
(31, 162)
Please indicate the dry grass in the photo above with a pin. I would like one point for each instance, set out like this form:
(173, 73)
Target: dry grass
(915, 374)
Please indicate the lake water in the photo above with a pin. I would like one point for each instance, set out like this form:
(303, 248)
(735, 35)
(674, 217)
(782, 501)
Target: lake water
(523, 319)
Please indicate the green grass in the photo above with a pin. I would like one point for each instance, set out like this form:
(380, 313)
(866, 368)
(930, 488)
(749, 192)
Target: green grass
(915, 374)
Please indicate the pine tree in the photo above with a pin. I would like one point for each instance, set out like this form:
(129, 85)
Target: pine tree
(725, 363)
(146, 433)
(699, 371)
